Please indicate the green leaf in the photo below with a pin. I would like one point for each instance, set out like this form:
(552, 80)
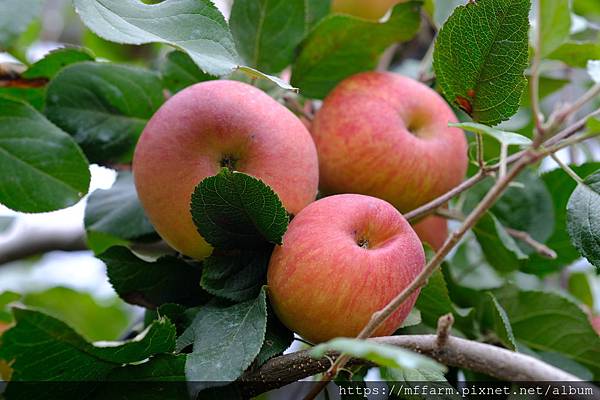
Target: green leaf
(579, 286)
(46, 349)
(576, 54)
(233, 210)
(194, 26)
(262, 39)
(500, 249)
(226, 341)
(548, 322)
(278, 338)
(150, 284)
(93, 320)
(117, 211)
(556, 24)
(42, 168)
(413, 378)
(56, 60)
(342, 45)
(480, 56)
(504, 137)
(34, 80)
(434, 301)
(104, 106)
(238, 276)
(384, 355)
(560, 185)
(15, 17)
(6, 299)
(583, 219)
(179, 71)
(495, 318)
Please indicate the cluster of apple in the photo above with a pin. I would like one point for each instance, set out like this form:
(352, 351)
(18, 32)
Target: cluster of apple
(379, 145)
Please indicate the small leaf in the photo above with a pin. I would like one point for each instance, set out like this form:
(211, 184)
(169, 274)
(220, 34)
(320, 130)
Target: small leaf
(342, 45)
(150, 284)
(583, 219)
(579, 286)
(261, 38)
(556, 24)
(15, 17)
(236, 277)
(179, 71)
(104, 106)
(384, 355)
(414, 378)
(226, 341)
(42, 168)
(504, 137)
(499, 248)
(593, 69)
(497, 320)
(480, 56)
(117, 211)
(233, 210)
(576, 54)
(56, 60)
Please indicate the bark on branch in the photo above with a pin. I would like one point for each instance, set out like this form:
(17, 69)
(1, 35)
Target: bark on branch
(494, 361)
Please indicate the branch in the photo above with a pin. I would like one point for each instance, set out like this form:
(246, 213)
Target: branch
(540, 248)
(34, 243)
(493, 361)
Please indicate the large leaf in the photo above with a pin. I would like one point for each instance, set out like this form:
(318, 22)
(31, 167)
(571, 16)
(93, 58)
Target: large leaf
(104, 106)
(548, 322)
(195, 26)
(576, 54)
(117, 211)
(150, 284)
(556, 24)
(342, 45)
(583, 219)
(41, 168)
(15, 17)
(46, 349)
(226, 339)
(480, 56)
(262, 39)
(238, 276)
(233, 210)
(560, 185)
(384, 355)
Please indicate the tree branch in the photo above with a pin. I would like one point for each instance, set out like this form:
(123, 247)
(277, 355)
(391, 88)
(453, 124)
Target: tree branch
(35, 243)
(479, 357)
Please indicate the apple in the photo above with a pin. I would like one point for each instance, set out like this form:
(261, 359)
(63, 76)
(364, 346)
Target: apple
(387, 136)
(368, 9)
(343, 258)
(432, 230)
(596, 323)
(209, 126)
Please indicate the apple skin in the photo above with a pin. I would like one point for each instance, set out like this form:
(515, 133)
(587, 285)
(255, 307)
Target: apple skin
(596, 323)
(324, 284)
(432, 230)
(191, 136)
(365, 146)
(368, 9)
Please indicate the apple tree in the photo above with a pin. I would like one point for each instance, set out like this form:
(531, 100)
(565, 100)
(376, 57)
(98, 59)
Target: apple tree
(346, 191)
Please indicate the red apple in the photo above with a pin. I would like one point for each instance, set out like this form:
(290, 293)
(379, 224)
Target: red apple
(596, 323)
(368, 9)
(206, 127)
(343, 258)
(432, 230)
(387, 136)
